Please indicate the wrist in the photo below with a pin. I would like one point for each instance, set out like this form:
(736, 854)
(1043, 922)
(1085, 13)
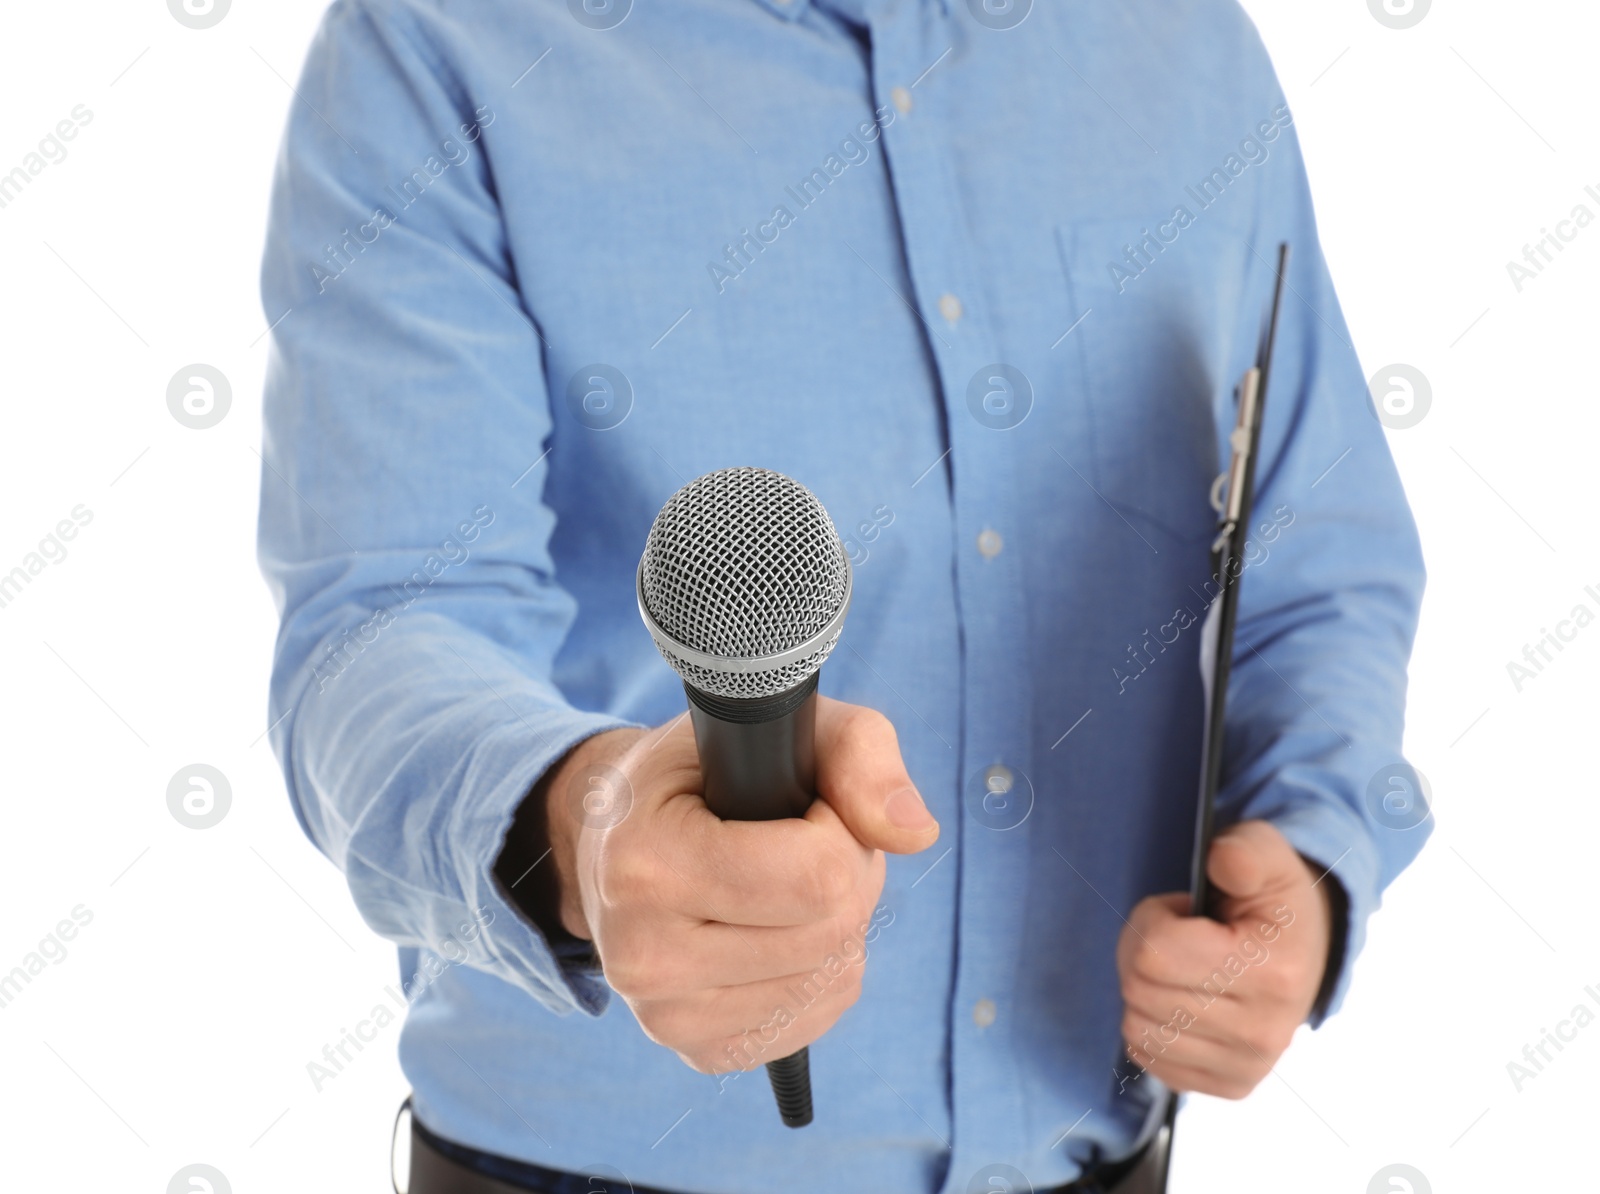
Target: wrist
(578, 796)
(1334, 905)
(537, 865)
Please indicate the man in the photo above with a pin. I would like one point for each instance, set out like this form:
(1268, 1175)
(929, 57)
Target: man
(982, 278)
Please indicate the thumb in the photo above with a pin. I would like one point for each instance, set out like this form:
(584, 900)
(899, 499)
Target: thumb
(863, 779)
(1249, 859)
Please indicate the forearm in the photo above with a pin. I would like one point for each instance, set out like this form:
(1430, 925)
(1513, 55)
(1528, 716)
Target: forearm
(407, 769)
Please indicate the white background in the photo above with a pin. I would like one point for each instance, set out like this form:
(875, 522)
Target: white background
(217, 964)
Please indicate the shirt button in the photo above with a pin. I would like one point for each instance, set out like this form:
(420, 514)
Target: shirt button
(902, 99)
(950, 307)
(983, 1013)
(998, 779)
(990, 543)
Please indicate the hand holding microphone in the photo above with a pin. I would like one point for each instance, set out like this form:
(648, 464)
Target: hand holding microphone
(705, 927)
(752, 848)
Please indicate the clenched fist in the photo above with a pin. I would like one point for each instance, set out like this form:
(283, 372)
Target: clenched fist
(1210, 1007)
(734, 943)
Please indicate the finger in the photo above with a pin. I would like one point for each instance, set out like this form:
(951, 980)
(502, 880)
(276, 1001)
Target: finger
(1133, 943)
(788, 872)
(1163, 944)
(1218, 1021)
(763, 1021)
(652, 957)
(1154, 1040)
(663, 766)
(1165, 1039)
(1249, 1034)
(1250, 859)
(1252, 1009)
(862, 777)
(1222, 1077)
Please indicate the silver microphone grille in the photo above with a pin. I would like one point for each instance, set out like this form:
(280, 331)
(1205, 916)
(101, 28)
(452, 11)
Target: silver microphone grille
(744, 583)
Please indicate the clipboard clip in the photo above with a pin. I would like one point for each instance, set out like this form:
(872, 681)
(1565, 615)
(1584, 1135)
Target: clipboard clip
(1227, 491)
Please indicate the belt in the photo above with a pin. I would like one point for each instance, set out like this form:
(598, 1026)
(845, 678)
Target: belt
(441, 1166)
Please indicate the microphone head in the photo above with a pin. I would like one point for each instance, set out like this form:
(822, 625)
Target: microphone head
(744, 583)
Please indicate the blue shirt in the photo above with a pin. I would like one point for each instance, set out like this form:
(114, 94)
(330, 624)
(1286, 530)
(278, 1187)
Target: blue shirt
(987, 292)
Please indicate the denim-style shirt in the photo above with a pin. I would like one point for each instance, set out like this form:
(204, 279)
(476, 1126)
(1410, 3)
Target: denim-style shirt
(983, 276)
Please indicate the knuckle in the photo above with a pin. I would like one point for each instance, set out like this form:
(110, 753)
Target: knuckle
(850, 986)
(665, 1022)
(625, 978)
(870, 726)
(1258, 1046)
(625, 878)
(855, 918)
(1281, 982)
(1149, 937)
(701, 1060)
(854, 925)
(636, 972)
(829, 882)
(655, 1021)
(1133, 988)
(1218, 1088)
(1238, 1088)
(1145, 961)
(824, 1015)
(1146, 914)
(1127, 964)
(1271, 1042)
(852, 951)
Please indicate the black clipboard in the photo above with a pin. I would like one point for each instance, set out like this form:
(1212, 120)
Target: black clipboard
(1233, 497)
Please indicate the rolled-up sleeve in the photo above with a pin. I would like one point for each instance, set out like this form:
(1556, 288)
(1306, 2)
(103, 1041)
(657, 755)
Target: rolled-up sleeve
(402, 529)
(1331, 592)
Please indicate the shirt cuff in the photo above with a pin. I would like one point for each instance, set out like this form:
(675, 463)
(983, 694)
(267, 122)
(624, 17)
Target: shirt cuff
(563, 975)
(1341, 850)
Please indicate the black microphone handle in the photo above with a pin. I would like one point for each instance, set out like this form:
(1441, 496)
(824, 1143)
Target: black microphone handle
(758, 762)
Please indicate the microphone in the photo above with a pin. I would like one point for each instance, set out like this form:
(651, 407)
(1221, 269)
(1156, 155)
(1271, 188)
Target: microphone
(743, 586)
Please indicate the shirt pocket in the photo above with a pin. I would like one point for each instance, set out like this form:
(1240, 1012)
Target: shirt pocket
(1151, 334)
